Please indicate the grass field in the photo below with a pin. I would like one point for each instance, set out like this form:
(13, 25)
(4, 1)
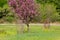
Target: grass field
(9, 32)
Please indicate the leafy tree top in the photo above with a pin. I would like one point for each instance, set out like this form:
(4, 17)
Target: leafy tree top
(25, 9)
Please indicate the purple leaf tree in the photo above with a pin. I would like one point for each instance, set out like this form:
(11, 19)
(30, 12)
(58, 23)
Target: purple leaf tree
(25, 10)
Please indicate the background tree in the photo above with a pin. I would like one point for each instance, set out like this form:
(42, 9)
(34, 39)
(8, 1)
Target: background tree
(2, 2)
(56, 3)
(48, 12)
(5, 14)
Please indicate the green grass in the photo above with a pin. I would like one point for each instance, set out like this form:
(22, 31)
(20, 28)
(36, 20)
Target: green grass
(9, 32)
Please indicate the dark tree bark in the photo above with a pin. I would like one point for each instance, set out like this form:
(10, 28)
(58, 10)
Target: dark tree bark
(27, 27)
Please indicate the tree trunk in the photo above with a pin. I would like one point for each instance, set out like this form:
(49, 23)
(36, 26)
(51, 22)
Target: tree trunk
(47, 24)
(27, 27)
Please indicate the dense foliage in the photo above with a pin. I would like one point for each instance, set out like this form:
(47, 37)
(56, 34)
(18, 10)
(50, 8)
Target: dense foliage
(2, 2)
(54, 9)
(42, 7)
(25, 9)
(5, 14)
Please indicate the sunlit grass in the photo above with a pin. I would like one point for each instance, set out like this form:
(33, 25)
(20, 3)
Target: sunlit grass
(36, 32)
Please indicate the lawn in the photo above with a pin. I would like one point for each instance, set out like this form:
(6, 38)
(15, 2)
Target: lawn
(37, 32)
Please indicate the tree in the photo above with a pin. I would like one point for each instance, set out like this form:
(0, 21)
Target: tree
(4, 11)
(25, 10)
(55, 2)
(48, 13)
